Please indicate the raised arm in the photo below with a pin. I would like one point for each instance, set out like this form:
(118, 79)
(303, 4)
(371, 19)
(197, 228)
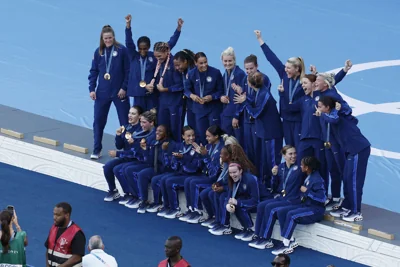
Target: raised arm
(271, 57)
(130, 45)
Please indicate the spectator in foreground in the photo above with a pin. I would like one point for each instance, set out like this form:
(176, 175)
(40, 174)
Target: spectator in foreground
(12, 245)
(173, 247)
(66, 241)
(97, 254)
(281, 260)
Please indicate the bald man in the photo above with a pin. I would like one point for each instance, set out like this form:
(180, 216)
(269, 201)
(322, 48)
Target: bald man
(97, 256)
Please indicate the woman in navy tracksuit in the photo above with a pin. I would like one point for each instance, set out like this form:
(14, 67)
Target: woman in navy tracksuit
(156, 156)
(251, 143)
(121, 142)
(143, 64)
(204, 86)
(233, 75)
(184, 61)
(168, 82)
(357, 150)
(146, 135)
(221, 224)
(268, 128)
(325, 86)
(311, 209)
(185, 163)
(108, 81)
(289, 90)
(243, 198)
(286, 183)
(210, 155)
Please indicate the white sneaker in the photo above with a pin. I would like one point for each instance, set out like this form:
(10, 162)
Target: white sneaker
(353, 217)
(221, 230)
(339, 212)
(95, 155)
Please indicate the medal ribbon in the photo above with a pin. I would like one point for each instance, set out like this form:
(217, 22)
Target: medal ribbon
(328, 131)
(292, 89)
(186, 150)
(139, 134)
(223, 173)
(228, 81)
(255, 101)
(142, 68)
(287, 176)
(202, 85)
(236, 188)
(108, 64)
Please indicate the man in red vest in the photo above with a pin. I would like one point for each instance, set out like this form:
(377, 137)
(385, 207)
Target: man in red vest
(66, 241)
(173, 247)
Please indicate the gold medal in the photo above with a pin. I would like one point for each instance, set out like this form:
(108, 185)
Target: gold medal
(143, 141)
(107, 76)
(128, 136)
(283, 192)
(327, 144)
(142, 84)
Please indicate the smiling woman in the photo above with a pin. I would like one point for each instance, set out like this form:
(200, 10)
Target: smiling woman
(108, 81)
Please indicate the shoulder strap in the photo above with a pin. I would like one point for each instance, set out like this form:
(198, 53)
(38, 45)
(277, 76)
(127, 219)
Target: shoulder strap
(100, 259)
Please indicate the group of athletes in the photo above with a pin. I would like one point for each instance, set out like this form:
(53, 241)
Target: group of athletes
(219, 138)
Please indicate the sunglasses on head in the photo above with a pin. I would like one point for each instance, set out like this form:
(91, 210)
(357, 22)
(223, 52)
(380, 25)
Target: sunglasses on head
(277, 264)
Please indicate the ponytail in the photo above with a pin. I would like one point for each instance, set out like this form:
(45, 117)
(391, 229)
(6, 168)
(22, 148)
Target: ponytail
(5, 218)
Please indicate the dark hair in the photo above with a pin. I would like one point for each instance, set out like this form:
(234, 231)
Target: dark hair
(256, 79)
(150, 116)
(215, 130)
(251, 59)
(5, 218)
(177, 239)
(328, 102)
(186, 128)
(161, 47)
(285, 256)
(286, 148)
(139, 109)
(311, 77)
(145, 40)
(186, 55)
(237, 154)
(199, 55)
(106, 29)
(65, 206)
(167, 131)
(311, 162)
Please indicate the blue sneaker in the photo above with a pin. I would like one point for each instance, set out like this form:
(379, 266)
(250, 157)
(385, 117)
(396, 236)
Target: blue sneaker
(208, 222)
(215, 223)
(248, 236)
(163, 211)
(142, 207)
(153, 208)
(186, 216)
(112, 195)
(172, 213)
(241, 234)
(125, 199)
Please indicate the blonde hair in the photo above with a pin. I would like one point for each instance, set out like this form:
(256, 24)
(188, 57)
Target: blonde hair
(229, 140)
(229, 52)
(329, 78)
(298, 62)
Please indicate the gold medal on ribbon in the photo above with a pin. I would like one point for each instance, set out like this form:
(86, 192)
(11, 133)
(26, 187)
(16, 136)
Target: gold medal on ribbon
(107, 76)
(142, 84)
(283, 192)
(128, 136)
(327, 144)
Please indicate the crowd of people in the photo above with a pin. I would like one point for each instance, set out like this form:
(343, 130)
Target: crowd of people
(228, 157)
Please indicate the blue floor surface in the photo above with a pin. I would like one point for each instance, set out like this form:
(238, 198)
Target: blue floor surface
(135, 240)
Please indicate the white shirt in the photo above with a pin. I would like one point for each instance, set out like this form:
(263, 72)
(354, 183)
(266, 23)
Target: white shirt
(90, 260)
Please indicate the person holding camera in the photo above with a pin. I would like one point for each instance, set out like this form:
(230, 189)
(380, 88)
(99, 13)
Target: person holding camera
(12, 245)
